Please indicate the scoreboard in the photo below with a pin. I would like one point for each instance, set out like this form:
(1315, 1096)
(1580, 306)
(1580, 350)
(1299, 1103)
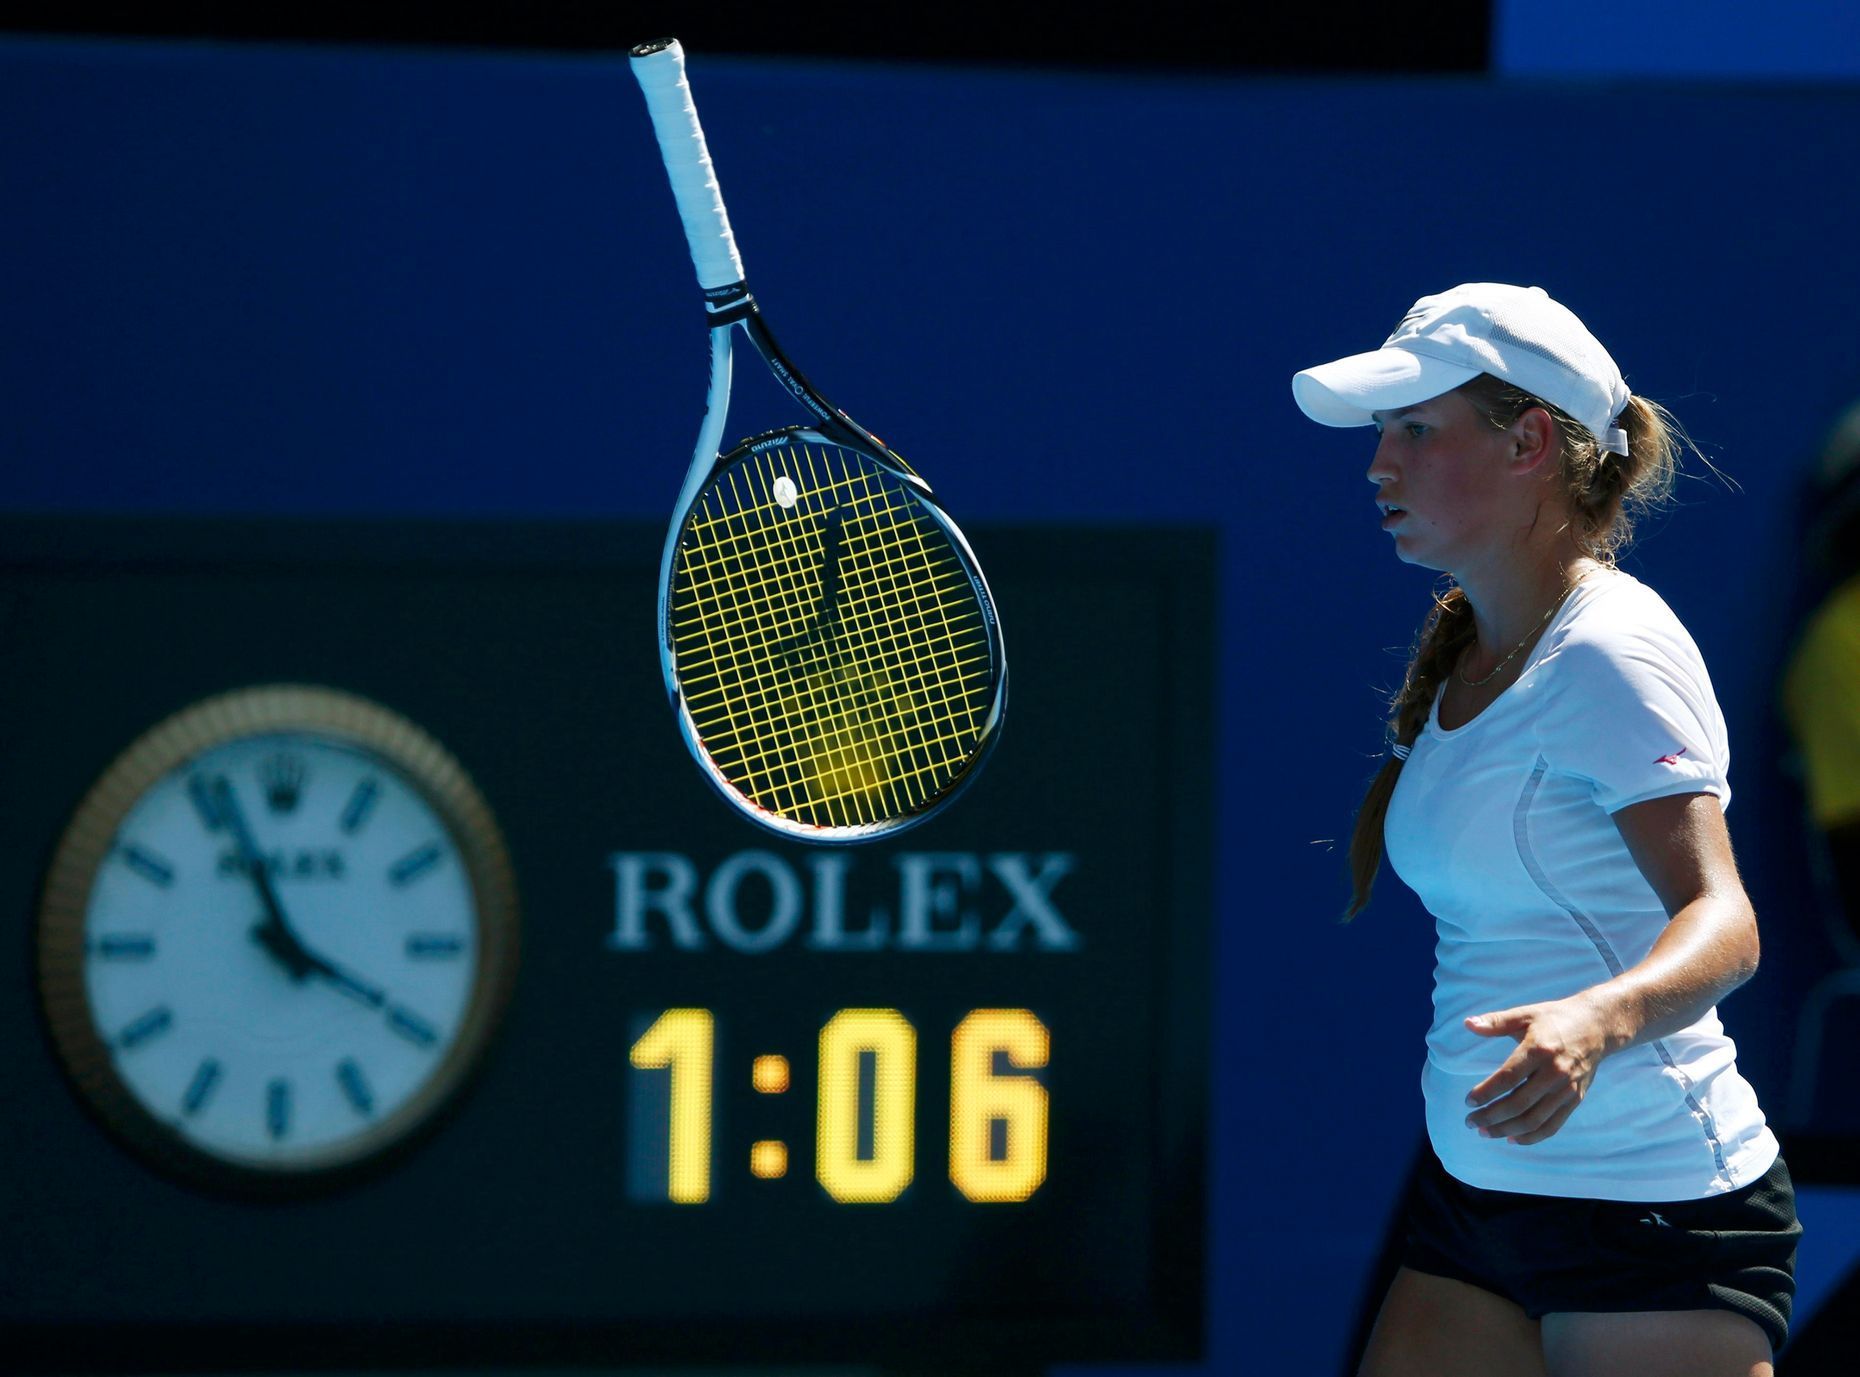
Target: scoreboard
(388, 987)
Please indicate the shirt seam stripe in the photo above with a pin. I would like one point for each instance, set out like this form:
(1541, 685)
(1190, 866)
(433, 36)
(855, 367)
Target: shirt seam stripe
(1520, 832)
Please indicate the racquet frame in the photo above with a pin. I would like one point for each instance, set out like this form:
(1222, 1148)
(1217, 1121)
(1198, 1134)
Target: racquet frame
(729, 306)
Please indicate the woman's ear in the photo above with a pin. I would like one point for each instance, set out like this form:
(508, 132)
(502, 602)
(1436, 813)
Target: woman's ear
(1535, 439)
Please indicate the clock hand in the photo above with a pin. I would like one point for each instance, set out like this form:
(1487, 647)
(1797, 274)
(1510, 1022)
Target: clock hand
(301, 962)
(370, 995)
(829, 587)
(284, 947)
(274, 933)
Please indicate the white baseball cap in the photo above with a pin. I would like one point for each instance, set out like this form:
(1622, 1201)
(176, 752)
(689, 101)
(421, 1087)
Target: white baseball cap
(1515, 333)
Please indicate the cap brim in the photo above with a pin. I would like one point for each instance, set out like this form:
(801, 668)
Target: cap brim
(1349, 391)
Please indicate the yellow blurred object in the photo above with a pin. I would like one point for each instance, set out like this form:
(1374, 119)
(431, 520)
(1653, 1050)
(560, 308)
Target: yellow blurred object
(1818, 701)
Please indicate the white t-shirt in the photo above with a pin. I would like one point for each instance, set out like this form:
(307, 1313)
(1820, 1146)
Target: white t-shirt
(1502, 827)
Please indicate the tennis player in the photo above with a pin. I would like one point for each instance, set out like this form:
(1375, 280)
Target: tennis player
(1604, 1194)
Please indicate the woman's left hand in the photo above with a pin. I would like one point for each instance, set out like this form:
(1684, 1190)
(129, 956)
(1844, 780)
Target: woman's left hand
(1533, 1094)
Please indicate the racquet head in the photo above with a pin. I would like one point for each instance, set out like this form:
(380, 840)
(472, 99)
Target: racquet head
(828, 639)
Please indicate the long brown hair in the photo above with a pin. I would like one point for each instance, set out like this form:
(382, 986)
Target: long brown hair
(1606, 492)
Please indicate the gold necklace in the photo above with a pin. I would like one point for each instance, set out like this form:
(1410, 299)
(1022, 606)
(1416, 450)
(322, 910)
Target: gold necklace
(1460, 669)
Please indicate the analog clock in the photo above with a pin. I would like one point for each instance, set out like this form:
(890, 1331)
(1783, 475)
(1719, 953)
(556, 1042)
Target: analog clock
(276, 937)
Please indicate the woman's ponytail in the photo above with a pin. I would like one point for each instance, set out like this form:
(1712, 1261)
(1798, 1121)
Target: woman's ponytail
(1447, 632)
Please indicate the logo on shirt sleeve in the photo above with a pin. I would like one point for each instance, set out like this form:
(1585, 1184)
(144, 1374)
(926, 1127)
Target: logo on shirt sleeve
(1672, 759)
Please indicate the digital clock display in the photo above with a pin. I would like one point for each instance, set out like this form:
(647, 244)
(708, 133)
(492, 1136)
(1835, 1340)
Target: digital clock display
(866, 1107)
(936, 1100)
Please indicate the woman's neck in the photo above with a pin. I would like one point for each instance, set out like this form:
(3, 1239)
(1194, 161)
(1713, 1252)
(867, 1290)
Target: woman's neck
(1513, 602)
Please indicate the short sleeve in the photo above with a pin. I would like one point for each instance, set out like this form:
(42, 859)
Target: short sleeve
(1634, 714)
(1821, 697)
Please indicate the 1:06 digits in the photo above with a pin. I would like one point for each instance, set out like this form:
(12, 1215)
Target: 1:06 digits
(865, 1129)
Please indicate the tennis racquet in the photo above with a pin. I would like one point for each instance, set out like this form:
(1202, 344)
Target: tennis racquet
(828, 641)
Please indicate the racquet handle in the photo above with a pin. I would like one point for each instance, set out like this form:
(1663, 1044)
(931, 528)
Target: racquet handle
(660, 69)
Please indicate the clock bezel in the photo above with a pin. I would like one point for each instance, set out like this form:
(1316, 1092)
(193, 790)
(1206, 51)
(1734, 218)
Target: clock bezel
(418, 760)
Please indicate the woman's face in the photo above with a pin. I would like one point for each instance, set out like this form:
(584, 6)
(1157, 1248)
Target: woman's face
(1444, 487)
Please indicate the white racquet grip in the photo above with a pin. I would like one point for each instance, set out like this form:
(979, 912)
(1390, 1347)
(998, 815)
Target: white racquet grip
(661, 75)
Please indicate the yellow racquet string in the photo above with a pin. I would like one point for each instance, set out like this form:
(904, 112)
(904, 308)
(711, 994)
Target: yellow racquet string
(838, 725)
(849, 761)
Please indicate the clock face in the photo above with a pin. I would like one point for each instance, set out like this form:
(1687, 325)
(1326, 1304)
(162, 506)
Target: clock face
(277, 936)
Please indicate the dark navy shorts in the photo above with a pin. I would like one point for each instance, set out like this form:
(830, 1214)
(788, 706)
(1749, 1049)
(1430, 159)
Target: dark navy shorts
(1549, 1254)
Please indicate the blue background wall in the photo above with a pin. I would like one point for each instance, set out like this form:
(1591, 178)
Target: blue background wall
(275, 280)
(1792, 40)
